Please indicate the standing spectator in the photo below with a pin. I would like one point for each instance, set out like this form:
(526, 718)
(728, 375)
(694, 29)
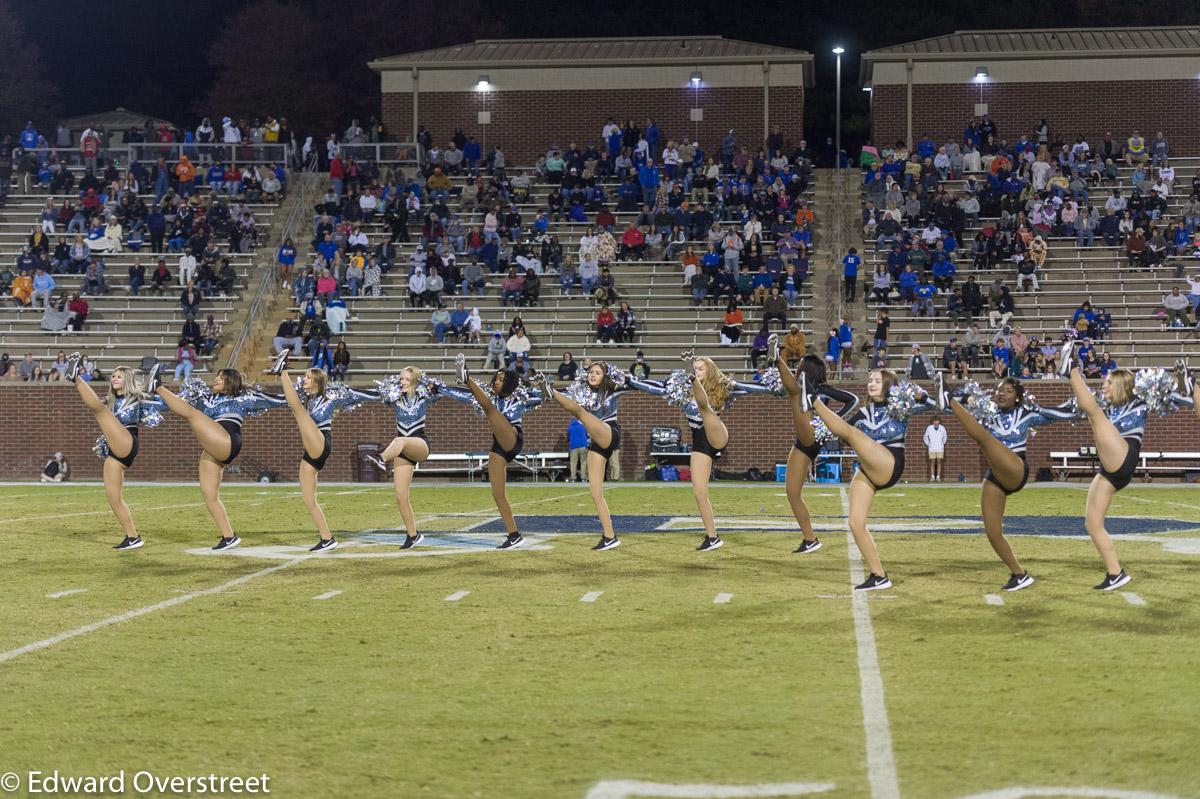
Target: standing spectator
(846, 342)
(919, 366)
(882, 330)
(850, 266)
(833, 349)
(577, 439)
(935, 442)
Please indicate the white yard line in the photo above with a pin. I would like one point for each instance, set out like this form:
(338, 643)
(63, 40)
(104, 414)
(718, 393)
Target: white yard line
(993, 599)
(133, 614)
(1133, 598)
(881, 761)
(327, 595)
(626, 789)
(107, 511)
(722, 599)
(591, 596)
(457, 595)
(66, 593)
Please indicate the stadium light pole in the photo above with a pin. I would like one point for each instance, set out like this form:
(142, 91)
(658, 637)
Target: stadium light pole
(483, 83)
(837, 156)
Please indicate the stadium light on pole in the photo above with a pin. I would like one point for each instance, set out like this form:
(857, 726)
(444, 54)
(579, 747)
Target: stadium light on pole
(837, 155)
(483, 84)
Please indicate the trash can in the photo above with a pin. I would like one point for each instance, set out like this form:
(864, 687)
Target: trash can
(367, 473)
(780, 472)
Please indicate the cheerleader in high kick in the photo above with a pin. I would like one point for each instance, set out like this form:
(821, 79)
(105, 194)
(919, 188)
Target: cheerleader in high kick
(410, 393)
(1001, 426)
(1188, 386)
(1118, 426)
(215, 416)
(876, 433)
(126, 406)
(314, 416)
(592, 399)
(807, 446)
(697, 390)
(503, 403)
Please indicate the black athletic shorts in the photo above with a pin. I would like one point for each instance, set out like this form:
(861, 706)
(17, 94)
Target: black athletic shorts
(415, 434)
(607, 452)
(811, 451)
(1121, 477)
(127, 461)
(318, 462)
(897, 469)
(511, 454)
(700, 444)
(990, 478)
(235, 440)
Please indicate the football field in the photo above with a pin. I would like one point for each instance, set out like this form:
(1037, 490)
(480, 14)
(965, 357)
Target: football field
(556, 672)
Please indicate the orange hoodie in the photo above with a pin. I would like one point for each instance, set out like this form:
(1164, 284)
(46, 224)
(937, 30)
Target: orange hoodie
(185, 170)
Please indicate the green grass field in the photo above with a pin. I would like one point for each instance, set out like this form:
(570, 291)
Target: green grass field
(518, 689)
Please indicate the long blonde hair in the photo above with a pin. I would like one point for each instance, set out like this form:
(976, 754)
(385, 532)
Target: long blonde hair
(715, 383)
(1121, 384)
(319, 378)
(135, 389)
(415, 375)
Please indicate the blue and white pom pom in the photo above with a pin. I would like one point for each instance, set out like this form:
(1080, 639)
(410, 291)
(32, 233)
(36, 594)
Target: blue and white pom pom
(149, 416)
(428, 388)
(1154, 387)
(194, 391)
(101, 448)
(980, 403)
(340, 391)
(901, 400)
(679, 390)
(580, 391)
(390, 392)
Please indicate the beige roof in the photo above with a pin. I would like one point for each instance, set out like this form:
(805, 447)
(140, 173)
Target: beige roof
(115, 120)
(697, 50)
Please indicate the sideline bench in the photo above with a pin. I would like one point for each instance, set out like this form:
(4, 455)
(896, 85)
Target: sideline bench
(1084, 461)
(552, 463)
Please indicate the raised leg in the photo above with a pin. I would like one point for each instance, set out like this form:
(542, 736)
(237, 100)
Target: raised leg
(308, 492)
(120, 440)
(412, 447)
(1110, 446)
(599, 431)
(992, 503)
(502, 429)
(402, 478)
(862, 494)
(874, 459)
(1099, 498)
(798, 465)
(212, 437)
(597, 464)
(498, 476)
(310, 434)
(114, 481)
(801, 419)
(211, 472)
(701, 466)
(714, 428)
(1006, 465)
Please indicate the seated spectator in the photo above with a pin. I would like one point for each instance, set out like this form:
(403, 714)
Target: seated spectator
(1135, 250)
(923, 298)
(191, 332)
(340, 361)
(633, 243)
(441, 323)
(568, 369)
(185, 360)
(210, 336)
(56, 469)
(511, 288)
(1084, 320)
(1091, 366)
(775, 307)
(1005, 307)
(745, 285)
(794, 345)
(953, 360)
(518, 347)
(531, 288)
(956, 308)
(318, 333)
(1103, 323)
(495, 352)
(699, 288)
(758, 348)
(606, 291)
(999, 358)
(731, 331)
(417, 288)
(606, 325)
(79, 310)
(1107, 364)
(460, 321)
(881, 285)
(289, 335)
(626, 324)
(189, 299)
(1177, 308)
(434, 286)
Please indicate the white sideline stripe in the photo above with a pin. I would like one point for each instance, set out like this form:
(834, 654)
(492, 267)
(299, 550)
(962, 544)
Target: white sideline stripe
(994, 599)
(881, 762)
(106, 511)
(623, 789)
(851, 596)
(1133, 598)
(722, 599)
(457, 595)
(133, 614)
(1045, 790)
(591, 596)
(80, 591)
(327, 595)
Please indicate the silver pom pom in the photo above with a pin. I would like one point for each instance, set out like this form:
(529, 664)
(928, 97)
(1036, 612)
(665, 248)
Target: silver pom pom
(1154, 387)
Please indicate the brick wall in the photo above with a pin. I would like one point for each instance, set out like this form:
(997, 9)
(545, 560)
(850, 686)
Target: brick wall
(1071, 109)
(525, 122)
(38, 420)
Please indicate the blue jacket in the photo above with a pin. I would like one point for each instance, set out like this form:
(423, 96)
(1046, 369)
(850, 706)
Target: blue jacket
(926, 292)
(577, 434)
(29, 139)
(215, 173)
(472, 151)
(648, 176)
(845, 334)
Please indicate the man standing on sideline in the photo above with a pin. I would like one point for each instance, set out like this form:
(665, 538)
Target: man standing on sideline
(578, 442)
(935, 442)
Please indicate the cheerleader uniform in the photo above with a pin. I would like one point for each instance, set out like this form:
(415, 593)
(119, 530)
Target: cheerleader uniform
(1130, 421)
(410, 413)
(323, 407)
(881, 427)
(230, 411)
(602, 407)
(1013, 428)
(513, 407)
(130, 413)
(827, 392)
(691, 411)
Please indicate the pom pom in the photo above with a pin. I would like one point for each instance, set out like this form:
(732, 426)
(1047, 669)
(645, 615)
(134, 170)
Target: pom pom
(194, 392)
(149, 417)
(340, 392)
(679, 390)
(821, 433)
(901, 400)
(427, 388)
(587, 397)
(101, 448)
(1154, 387)
(390, 392)
(980, 403)
(771, 380)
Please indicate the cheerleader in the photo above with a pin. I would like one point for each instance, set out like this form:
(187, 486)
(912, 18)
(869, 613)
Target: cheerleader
(504, 404)
(1002, 431)
(594, 404)
(876, 433)
(410, 393)
(215, 417)
(807, 447)
(697, 392)
(118, 445)
(314, 416)
(1188, 387)
(1118, 428)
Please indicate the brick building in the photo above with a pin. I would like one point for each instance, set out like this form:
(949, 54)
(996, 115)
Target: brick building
(1083, 81)
(524, 94)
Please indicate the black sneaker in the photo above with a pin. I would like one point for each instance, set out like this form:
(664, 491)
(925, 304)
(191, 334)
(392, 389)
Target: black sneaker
(325, 546)
(874, 583)
(377, 462)
(710, 543)
(1113, 581)
(608, 543)
(227, 543)
(154, 379)
(130, 543)
(1017, 582)
(411, 541)
(281, 362)
(808, 546)
(773, 349)
(460, 368)
(73, 367)
(513, 541)
(943, 396)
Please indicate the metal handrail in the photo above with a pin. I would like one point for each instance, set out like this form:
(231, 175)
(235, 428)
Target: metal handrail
(271, 272)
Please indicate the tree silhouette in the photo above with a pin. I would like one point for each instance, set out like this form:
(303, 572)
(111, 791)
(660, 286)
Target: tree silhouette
(25, 91)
